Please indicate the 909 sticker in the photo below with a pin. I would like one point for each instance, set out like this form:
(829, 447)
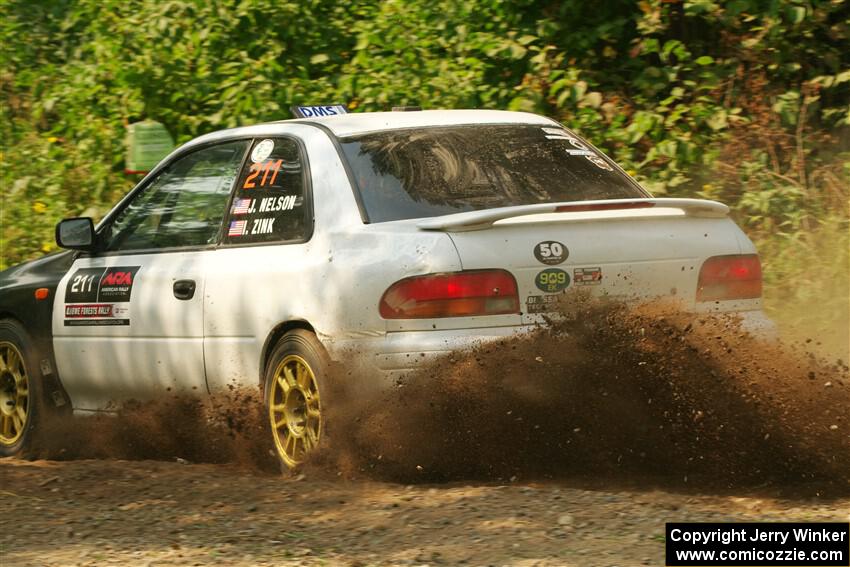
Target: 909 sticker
(552, 280)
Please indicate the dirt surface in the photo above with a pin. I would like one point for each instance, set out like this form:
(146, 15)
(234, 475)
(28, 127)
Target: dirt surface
(160, 513)
(572, 446)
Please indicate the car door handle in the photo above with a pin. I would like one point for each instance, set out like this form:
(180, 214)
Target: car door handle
(184, 289)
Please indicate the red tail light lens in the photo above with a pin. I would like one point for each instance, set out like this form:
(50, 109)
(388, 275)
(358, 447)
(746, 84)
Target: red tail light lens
(458, 294)
(730, 277)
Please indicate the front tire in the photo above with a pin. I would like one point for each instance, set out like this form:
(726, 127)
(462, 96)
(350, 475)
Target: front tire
(20, 390)
(295, 394)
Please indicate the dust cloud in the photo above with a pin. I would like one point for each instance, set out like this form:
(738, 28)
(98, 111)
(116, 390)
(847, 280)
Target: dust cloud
(616, 393)
(226, 428)
(604, 393)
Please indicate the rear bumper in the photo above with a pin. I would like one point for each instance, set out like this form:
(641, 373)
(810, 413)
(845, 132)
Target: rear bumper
(396, 353)
(758, 324)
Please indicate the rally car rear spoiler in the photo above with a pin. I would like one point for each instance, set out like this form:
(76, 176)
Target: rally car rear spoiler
(479, 220)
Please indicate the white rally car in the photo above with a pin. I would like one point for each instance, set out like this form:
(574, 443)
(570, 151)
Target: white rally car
(258, 255)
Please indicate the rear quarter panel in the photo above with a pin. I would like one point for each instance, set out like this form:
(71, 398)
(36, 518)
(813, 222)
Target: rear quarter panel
(333, 282)
(641, 256)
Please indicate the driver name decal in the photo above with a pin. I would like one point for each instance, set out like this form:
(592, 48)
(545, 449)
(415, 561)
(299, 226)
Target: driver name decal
(99, 296)
(252, 226)
(274, 204)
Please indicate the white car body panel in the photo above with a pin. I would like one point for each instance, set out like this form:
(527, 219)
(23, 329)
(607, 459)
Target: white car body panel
(641, 257)
(334, 281)
(160, 350)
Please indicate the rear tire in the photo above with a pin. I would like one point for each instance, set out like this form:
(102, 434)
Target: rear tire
(21, 402)
(295, 394)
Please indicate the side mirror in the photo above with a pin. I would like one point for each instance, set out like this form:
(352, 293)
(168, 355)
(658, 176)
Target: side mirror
(76, 233)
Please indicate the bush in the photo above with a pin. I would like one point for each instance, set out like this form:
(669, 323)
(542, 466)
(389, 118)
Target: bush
(745, 101)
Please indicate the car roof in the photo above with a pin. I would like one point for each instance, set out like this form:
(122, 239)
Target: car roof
(362, 122)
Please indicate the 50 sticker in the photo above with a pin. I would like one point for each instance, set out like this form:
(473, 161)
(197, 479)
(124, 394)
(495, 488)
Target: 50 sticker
(552, 280)
(551, 252)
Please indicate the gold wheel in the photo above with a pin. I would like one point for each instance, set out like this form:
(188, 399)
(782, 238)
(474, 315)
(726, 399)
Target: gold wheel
(294, 410)
(14, 394)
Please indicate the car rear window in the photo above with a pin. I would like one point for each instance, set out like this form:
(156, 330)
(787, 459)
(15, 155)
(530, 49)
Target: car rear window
(426, 172)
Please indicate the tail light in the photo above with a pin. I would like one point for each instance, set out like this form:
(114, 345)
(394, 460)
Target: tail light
(457, 294)
(730, 277)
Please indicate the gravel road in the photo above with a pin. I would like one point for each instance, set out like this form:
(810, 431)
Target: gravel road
(112, 512)
(573, 446)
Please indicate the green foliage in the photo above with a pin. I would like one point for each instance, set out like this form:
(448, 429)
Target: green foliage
(807, 283)
(747, 101)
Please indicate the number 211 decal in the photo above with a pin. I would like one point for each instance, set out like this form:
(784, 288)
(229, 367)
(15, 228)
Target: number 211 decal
(265, 168)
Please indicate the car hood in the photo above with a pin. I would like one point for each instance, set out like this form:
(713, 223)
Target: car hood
(46, 270)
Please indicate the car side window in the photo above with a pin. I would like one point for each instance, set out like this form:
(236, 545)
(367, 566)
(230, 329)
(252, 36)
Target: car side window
(270, 203)
(183, 206)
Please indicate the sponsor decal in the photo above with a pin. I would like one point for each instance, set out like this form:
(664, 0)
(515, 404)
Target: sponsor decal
(262, 150)
(540, 303)
(89, 310)
(581, 149)
(551, 252)
(242, 206)
(318, 110)
(99, 296)
(116, 285)
(599, 162)
(587, 276)
(552, 280)
(97, 322)
(94, 285)
(97, 314)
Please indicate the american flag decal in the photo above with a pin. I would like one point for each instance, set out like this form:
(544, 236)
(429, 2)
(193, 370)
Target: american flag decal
(237, 228)
(241, 206)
